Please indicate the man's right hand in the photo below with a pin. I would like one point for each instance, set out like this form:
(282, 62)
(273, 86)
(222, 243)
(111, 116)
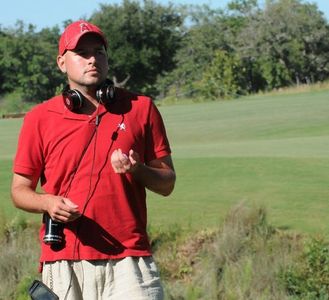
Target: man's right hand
(61, 209)
(24, 196)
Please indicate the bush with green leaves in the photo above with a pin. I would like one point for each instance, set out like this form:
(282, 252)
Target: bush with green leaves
(308, 276)
(222, 78)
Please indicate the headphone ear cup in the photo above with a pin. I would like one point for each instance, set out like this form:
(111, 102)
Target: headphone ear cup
(106, 93)
(73, 100)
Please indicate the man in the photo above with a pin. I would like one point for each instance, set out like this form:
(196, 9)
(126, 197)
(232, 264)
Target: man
(95, 149)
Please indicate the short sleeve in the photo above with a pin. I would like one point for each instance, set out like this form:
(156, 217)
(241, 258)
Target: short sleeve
(29, 158)
(157, 144)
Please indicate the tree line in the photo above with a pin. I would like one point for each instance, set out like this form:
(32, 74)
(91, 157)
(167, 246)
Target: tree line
(181, 50)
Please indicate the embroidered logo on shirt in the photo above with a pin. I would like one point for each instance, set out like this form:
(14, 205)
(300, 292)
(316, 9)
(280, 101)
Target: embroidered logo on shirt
(122, 126)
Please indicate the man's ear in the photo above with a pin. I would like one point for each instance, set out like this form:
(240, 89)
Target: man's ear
(61, 63)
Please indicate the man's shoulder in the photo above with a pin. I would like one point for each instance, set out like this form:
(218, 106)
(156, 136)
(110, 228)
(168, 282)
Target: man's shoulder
(130, 95)
(135, 99)
(127, 102)
(53, 104)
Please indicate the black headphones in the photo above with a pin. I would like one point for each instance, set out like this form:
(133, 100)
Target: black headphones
(105, 94)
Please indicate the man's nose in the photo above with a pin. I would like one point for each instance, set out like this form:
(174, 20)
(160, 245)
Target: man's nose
(91, 57)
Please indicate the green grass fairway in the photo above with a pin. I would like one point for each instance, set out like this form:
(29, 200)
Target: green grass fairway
(271, 151)
(268, 150)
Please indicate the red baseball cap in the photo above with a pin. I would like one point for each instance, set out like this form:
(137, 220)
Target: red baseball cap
(73, 32)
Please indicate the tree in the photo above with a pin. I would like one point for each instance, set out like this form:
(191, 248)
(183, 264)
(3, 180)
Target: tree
(203, 37)
(223, 78)
(287, 42)
(28, 62)
(143, 40)
(182, 50)
(9, 61)
(282, 43)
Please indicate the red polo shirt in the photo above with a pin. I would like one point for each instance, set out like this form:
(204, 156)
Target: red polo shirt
(71, 155)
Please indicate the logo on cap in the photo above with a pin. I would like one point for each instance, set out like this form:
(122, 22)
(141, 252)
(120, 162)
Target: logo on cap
(83, 27)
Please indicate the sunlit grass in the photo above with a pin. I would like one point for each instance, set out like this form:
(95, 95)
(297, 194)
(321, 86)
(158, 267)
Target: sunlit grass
(267, 149)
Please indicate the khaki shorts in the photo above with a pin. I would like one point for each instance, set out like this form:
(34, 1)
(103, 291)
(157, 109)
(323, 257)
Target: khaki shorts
(130, 278)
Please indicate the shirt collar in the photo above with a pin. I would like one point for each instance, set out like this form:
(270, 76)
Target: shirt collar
(56, 105)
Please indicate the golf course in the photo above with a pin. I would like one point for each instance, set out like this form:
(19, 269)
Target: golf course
(269, 150)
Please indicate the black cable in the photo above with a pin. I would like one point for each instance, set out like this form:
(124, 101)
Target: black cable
(90, 191)
(79, 162)
(94, 134)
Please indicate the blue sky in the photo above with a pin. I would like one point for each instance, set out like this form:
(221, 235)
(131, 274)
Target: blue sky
(48, 13)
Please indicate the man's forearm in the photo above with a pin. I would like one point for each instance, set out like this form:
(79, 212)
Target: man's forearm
(27, 199)
(160, 181)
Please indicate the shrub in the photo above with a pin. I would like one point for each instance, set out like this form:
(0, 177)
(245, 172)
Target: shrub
(308, 277)
(222, 78)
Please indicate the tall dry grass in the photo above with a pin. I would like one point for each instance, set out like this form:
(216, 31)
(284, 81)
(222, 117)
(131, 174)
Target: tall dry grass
(243, 259)
(19, 258)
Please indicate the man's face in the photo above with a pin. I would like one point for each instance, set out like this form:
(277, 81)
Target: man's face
(86, 65)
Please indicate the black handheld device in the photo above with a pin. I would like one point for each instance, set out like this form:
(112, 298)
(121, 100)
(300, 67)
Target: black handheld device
(39, 291)
(53, 232)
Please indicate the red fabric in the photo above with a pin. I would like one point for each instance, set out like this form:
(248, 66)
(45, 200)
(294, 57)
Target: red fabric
(51, 144)
(73, 32)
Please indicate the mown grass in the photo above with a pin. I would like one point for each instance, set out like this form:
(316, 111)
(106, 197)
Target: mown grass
(270, 150)
(293, 190)
(265, 151)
